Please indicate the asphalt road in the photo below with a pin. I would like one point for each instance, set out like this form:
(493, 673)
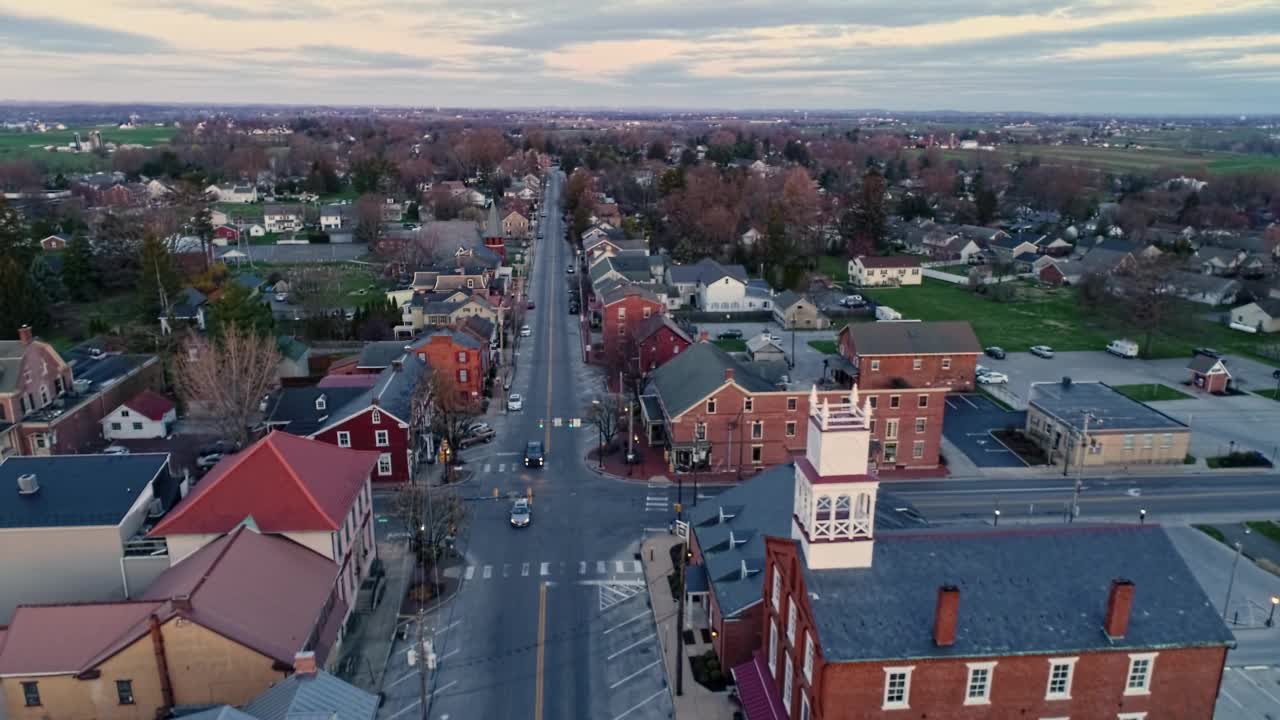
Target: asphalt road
(551, 620)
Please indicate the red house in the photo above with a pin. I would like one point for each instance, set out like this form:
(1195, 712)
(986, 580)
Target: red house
(624, 307)
(461, 357)
(1046, 622)
(657, 340)
(910, 354)
(1209, 374)
(230, 233)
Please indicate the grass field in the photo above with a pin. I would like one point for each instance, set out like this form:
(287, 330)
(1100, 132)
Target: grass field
(1272, 393)
(1150, 392)
(30, 146)
(1130, 160)
(836, 268)
(826, 347)
(731, 345)
(1052, 317)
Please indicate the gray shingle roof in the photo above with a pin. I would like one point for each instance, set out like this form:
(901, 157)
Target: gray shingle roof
(1025, 591)
(1110, 410)
(914, 338)
(1203, 363)
(321, 695)
(76, 490)
(706, 271)
(380, 354)
(696, 372)
(295, 407)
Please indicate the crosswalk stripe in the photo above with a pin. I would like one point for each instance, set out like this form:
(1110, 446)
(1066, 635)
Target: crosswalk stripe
(506, 569)
(486, 467)
(488, 571)
(618, 566)
(524, 570)
(502, 467)
(600, 566)
(582, 567)
(546, 568)
(636, 567)
(471, 571)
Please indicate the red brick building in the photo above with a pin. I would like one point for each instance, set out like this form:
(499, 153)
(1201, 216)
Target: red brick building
(1057, 622)
(910, 355)
(624, 307)
(718, 414)
(1209, 374)
(459, 356)
(657, 340)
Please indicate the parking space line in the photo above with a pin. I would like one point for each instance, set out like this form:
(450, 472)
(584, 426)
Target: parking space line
(404, 709)
(634, 675)
(412, 673)
(448, 627)
(1227, 695)
(639, 705)
(546, 568)
(471, 571)
(488, 571)
(449, 654)
(633, 645)
(948, 402)
(443, 687)
(626, 622)
(524, 570)
(1261, 689)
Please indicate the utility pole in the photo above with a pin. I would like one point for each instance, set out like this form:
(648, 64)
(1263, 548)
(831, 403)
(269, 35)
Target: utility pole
(423, 680)
(1226, 604)
(684, 551)
(630, 434)
(1084, 448)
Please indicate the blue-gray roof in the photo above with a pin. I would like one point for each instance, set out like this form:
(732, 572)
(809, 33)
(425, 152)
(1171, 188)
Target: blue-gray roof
(295, 407)
(393, 391)
(758, 507)
(1109, 411)
(1023, 591)
(221, 712)
(320, 694)
(76, 490)
(695, 373)
(379, 354)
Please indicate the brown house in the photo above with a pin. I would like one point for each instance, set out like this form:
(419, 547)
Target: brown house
(911, 354)
(220, 627)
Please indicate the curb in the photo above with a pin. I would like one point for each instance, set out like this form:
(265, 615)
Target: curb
(592, 467)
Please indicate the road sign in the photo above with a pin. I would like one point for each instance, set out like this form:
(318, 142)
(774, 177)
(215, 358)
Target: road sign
(682, 529)
(557, 422)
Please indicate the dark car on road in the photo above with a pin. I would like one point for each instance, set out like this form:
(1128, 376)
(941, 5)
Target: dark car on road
(573, 308)
(533, 455)
(995, 352)
(732, 334)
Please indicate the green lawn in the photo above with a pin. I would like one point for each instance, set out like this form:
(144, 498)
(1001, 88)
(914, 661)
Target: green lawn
(837, 268)
(1150, 392)
(826, 347)
(731, 345)
(1265, 528)
(347, 194)
(30, 146)
(1114, 159)
(1052, 317)
(240, 212)
(1212, 532)
(1272, 393)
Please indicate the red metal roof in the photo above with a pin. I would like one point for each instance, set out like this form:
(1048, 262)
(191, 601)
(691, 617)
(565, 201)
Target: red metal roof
(284, 482)
(755, 689)
(151, 404)
(82, 631)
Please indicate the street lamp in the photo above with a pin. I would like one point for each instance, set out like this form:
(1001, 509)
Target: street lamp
(599, 435)
(995, 515)
(1271, 618)
(1142, 516)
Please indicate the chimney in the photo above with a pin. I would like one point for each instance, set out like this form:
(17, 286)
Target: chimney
(1119, 604)
(181, 602)
(728, 374)
(24, 334)
(946, 616)
(304, 663)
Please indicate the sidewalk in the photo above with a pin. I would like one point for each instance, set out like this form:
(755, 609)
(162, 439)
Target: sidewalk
(697, 702)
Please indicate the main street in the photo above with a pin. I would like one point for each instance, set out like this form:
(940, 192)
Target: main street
(551, 621)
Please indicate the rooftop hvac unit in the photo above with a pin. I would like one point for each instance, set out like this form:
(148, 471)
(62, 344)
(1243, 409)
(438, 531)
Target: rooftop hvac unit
(28, 484)
(156, 509)
(81, 386)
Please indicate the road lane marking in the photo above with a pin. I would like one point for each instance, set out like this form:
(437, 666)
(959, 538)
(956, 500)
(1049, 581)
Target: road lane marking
(448, 627)
(411, 674)
(443, 687)
(404, 709)
(488, 571)
(524, 570)
(546, 569)
(636, 582)
(633, 675)
(542, 643)
(624, 623)
(600, 567)
(582, 567)
(506, 454)
(471, 571)
(633, 645)
(506, 569)
(639, 705)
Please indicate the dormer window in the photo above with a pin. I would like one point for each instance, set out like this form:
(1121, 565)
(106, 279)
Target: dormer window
(725, 516)
(321, 404)
(745, 571)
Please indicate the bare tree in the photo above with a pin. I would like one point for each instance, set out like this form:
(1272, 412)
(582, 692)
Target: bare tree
(622, 363)
(369, 218)
(607, 414)
(1146, 296)
(224, 381)
(452, 410)
(431, 517)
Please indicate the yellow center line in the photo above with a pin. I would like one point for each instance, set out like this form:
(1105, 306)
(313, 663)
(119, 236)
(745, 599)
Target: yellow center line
(548, 300)
(542, 640)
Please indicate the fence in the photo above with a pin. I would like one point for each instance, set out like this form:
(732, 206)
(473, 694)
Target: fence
(964, 279)
(1003, 394)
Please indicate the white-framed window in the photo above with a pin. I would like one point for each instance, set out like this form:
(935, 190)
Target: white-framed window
(748, 404)
(791, 404)
(891, 429)
(384, 464)
(1139, 677)
(776, 597)
(917, 363)
(946, 363)
(137, 426)
(920, 423)
(711, 406)
(757, 430)
(791, 428)
(791, 620)
(1060, 671)
(895, 401)
(808, 656)
(462, 376)
(875, 366)
(344, 439)
(700, 431)
(381, 438)
(1132, 716)
(321, 403)
(917, 449)
(773, 646)
(786, 684)
(375, 417)
(1166, 440)
(757, 454)
(115, 426)
(978, 689)
(1128, 442)
(897, 688)
(462, 357)
(1148, 440)
(922, 401)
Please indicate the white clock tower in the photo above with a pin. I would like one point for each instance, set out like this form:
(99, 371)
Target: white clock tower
(835, 497)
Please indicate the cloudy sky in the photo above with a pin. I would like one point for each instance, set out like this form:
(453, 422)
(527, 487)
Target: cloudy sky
(1097, 56)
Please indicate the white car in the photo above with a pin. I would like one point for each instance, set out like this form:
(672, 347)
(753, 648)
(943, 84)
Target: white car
(525, 331)
(115, 450)
(993, 378)
(1043, 351)
(515, 402)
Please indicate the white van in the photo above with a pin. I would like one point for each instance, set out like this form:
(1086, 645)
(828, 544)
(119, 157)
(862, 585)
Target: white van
(1123, 348)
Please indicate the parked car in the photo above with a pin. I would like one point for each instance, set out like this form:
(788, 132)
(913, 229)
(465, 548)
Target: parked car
(115, 450)
(1211, 352)
(995, 352)
(1043, 351)
(1123, 348)
(531, 305)
(533, 455)
(731, 334)
(573, 308)
(521, 515)
(570, 270)
(476, 434)
(281, 297)
(525, 331)
(515, 402)
(208, 460)
(852, 301)
(993, 378)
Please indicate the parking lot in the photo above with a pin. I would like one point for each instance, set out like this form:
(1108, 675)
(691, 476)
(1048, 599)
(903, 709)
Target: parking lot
(968, 422)
(1218, 423)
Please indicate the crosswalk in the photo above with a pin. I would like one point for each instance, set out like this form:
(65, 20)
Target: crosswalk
(657, 497)
(605, 570)
(502, 467)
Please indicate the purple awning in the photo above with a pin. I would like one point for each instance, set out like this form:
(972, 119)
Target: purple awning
(755, 688)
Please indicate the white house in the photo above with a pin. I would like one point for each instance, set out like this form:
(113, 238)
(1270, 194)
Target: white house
(157, 190)
(233, 192)
(708, 285)
(870, 271)
(146, 416)
(280, 217)
(335, 217)
(751, 237)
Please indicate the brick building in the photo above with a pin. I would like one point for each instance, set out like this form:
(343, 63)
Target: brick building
(860, 622)
(717, 413)
(910, 354)
(657, 340)
(623, 307)
(459, 356)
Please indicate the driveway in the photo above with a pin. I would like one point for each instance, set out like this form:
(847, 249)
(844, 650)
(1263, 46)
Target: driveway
(968, 422)
(1248, 420)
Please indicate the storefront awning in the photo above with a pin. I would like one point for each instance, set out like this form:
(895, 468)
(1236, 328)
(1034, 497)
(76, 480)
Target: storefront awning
(755, 688)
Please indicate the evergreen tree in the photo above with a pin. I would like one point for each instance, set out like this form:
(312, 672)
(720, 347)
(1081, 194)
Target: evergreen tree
(20, 303)
(158, 281)
(15, 242)
(45, 281)
(78, 272)
(238, 306)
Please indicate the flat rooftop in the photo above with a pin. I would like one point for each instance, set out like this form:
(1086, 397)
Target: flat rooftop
(1109, 410)
(76, 490)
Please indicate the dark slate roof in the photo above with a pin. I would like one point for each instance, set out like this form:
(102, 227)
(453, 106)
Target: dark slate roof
(914, 338)
(706, 271)
(76, 490)
(1024, 591)
(786, 299)
(291, 347)
(1270, 306)
(295, 408)
(189, 300)
(758, 507)
(1110, 410)
(1204, 363)
(478, 327)
(695, 373)
(617, 292)
(380, 354)
(459, 338)
(653, 323)
(393, 391)
(320, 695)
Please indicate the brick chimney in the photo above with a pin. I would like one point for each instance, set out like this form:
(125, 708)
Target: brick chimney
(1119, 605)
(304, 663)
(946, 616)
(728, 374)
(24, 334)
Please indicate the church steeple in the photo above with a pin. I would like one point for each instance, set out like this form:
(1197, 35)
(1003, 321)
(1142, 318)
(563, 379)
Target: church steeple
(835, 495)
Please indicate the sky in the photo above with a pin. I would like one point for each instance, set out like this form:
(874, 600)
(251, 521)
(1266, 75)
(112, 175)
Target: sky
(1064, 56)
